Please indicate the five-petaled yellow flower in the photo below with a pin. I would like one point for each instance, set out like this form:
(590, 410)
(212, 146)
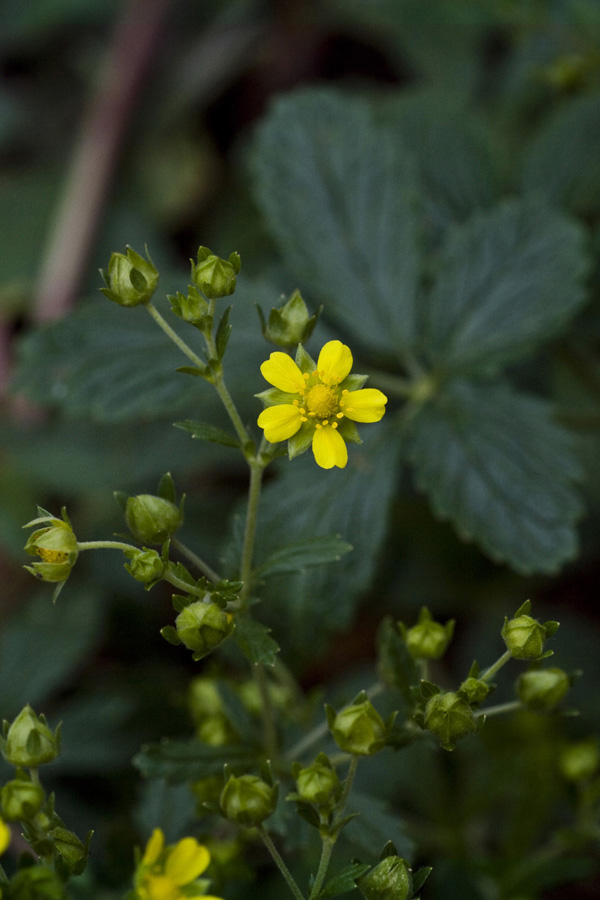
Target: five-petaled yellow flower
(172, 873)
(317, 404)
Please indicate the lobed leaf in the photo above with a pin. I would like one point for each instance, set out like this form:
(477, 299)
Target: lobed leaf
(507, 280)
(495, 464)
(344, 881)
(339, 194)
(201, 431)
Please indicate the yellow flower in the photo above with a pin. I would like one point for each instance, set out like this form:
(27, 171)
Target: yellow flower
(5, 836)
(317, 404)
(172, 872)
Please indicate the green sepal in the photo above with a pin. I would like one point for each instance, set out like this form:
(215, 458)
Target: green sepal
(420, 877)
(306, 811)
(203, 432)
(304, 361)
(474, 670)
(223, 333)
(170, 635)
(273, 397)
(180, 601)
(166, 488)
(428, 689)
(335, 830)
(551, 628)
(301, 441)
(349, 431)
(121, 497)
(353, 382)
(544, 655)
(523, 610)
(388, 850)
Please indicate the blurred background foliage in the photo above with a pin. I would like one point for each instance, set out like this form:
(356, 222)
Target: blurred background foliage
(136, 123)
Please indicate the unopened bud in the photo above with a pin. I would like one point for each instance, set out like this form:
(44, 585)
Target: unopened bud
(29, 742)
(289, 325)
(542, 689)
(151, 519)
(146, 565)
(389, 880)
(450, 718)
(247, 799)
(358, 729)
(318, 783)
(203, 626)
(428, 639)
(21, 799)
(130, 279)
(214, 276)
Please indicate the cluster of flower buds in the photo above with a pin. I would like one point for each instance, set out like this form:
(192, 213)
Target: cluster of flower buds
(28, 743)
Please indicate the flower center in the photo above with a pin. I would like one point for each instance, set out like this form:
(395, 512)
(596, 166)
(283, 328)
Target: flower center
(52, 556)
(322, 401)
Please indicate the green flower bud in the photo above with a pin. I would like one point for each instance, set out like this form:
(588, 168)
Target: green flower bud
(56, 546)
(130, 279)
(524, 637)
(203, 626)
(581, 760)
(359, 729)
(389, 880)
(21, 799)
(151, 519)
(475, 689)
(290, 324)
(216, 731)
(542, 689)
(215, 277)
(204, 698)
(37, 883)
(191, 308)
(29, 742)
(450, 718)
(247, 799)
(146, 565)
(318, 783)
(428, 639)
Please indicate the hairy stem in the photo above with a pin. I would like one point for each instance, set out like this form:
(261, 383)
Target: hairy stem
(291, 883)
(172, 335)
(196, 560)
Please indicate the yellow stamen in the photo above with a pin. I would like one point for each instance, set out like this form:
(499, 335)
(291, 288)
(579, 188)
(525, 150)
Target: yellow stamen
(52, 556)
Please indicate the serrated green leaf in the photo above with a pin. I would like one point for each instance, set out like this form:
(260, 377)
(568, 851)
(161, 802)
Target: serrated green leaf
(302, 555)
(339, 194)
(203, 432)
(345, 880)
(495, 464)
(563, 160)
(179, 761)
(506, 281)
(255, 641)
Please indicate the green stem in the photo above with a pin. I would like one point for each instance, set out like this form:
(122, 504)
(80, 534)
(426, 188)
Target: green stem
(183, 585)
(326, 852)
(219, 382)
(511, 706)
(489, 673)
(347, 785)
(105, 545)
(291, 883)
(196, 560)
(256, 472)
(162, 323)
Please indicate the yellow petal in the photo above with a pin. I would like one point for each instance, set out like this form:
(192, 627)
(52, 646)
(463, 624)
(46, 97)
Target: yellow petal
(281, 371)
(367, 405)
(5, 836)
(158, 887)
(186, 861)
(280, 422)
(154, 847)
(335, 362)
(329, 448)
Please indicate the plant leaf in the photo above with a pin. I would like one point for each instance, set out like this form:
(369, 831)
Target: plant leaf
(572, 133)
(179, 761)
(507, 280)
(302, 555)
(204, 432)
(496, 465)
(339, 194)
(255, 642)
(345, 880)
(375, 826)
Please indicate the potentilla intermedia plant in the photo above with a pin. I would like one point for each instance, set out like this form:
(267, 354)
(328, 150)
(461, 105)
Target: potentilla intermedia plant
(248, 771)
